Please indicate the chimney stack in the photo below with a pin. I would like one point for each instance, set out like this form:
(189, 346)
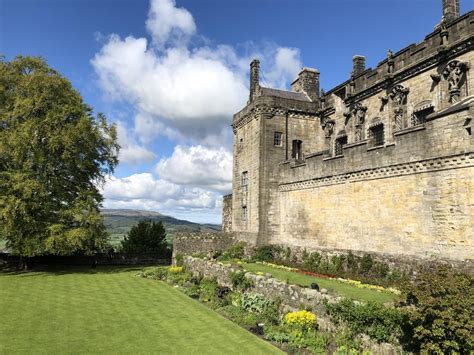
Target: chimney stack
(451, 9)
(358, 64)
(308, 83)
(254, 78)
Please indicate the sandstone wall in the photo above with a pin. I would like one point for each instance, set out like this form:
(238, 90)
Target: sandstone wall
(187, 243)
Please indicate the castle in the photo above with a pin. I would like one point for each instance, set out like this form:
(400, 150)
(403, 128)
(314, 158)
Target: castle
(382, 163)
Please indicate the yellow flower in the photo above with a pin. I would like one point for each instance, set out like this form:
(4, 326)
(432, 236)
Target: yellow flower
(301, 319)
(175, 269)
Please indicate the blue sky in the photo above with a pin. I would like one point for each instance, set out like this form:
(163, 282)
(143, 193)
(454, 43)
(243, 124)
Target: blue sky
(171, 74)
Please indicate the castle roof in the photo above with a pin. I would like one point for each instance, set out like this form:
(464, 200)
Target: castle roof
(284, 94)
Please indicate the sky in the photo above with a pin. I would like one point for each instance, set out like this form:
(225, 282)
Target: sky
(170, 74)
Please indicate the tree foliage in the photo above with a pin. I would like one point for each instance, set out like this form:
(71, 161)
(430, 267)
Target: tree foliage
(54, 154)
(146, 237)
(439, 317)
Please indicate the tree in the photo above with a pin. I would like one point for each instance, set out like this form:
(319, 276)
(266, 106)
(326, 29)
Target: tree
(54, 155)
(146, 237)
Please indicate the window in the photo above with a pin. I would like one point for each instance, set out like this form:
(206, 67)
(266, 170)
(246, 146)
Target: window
(296, 151)
(245, 178)
(339, 144)
(377, 134)
(419, 116)
(244, 213)
(277, 142)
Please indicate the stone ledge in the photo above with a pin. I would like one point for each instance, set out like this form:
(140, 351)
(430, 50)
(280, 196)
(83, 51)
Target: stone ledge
(417, 128)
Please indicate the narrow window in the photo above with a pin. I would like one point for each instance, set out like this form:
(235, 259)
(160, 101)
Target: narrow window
(277, 142)
(377, 133)
(245, 178)
(339, 144)
(296, 151)
(244, 213)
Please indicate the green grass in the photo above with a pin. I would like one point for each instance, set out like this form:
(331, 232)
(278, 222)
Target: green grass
(111, 311)
(333, 286)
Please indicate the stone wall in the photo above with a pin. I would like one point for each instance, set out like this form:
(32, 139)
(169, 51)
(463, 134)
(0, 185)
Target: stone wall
(187, 243)
(293, 297)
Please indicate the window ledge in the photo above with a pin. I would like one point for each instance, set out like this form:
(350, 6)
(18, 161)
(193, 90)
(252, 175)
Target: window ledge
(334, 157)
(376, 147)
(355, 144)
(416, 128)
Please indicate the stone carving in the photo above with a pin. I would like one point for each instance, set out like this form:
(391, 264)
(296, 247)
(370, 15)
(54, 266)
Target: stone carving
(359, 112)
(390, 61)
(455, 74)
(328, 126)
(436, 78)
(399, 94)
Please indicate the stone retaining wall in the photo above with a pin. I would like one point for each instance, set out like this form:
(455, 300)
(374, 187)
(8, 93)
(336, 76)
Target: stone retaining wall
(187, 243)
(293, 297)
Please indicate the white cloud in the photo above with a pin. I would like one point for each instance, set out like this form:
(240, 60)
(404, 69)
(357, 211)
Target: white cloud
(167, 22)
(191, 90)
(143, 191)
(209, 168)
(130, 152)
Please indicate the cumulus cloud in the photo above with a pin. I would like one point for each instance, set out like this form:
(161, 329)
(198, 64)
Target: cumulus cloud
(167, 22)
(143, 191)
(198, 166)
(192, 90)
(131, 152)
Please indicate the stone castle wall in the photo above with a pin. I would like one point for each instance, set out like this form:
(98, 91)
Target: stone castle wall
(227, 213)
(410, 195)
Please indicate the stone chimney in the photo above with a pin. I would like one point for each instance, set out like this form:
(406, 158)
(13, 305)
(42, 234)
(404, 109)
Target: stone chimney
(358, 64)
(307, 82)
(254, 78)
(451, 9)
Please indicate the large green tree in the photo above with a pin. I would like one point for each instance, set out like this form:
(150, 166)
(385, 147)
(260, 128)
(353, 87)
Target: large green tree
(146, 237)
(54, 154)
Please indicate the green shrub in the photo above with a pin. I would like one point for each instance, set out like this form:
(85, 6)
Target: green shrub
(235, 251)
(311, 261)
(266, 253)
(199, 255)
(366, 264)
(377, 321)
(337, 262)
(239, 281)
(208, 289)
(439, 319)
(255, 302)
(179, 259)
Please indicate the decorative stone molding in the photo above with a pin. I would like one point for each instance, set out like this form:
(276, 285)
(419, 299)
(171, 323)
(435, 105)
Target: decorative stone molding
(398, 94)
(359, 112)
(455, 74)
(422, 166)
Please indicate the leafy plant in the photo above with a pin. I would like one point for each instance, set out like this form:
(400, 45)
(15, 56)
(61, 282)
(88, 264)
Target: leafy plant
(208, 289)
(235, 251)
(240, 281)
(377, 321)
(179, 259)
(266, 253)
(439, 317)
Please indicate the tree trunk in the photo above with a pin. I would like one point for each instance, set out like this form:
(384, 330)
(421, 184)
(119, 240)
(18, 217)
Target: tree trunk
(22, 264)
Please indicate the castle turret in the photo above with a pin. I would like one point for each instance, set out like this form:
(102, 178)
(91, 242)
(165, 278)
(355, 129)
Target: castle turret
(254, 78)
(450, 9)
(307, 82)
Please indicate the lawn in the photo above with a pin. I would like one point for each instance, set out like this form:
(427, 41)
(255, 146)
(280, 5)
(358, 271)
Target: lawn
(111, 311)
(333, 286)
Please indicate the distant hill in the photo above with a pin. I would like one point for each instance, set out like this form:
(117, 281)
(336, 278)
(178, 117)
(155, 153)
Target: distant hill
(119, 222)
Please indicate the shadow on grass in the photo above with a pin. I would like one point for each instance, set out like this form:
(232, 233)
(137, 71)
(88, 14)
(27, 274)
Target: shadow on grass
(59, 270)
